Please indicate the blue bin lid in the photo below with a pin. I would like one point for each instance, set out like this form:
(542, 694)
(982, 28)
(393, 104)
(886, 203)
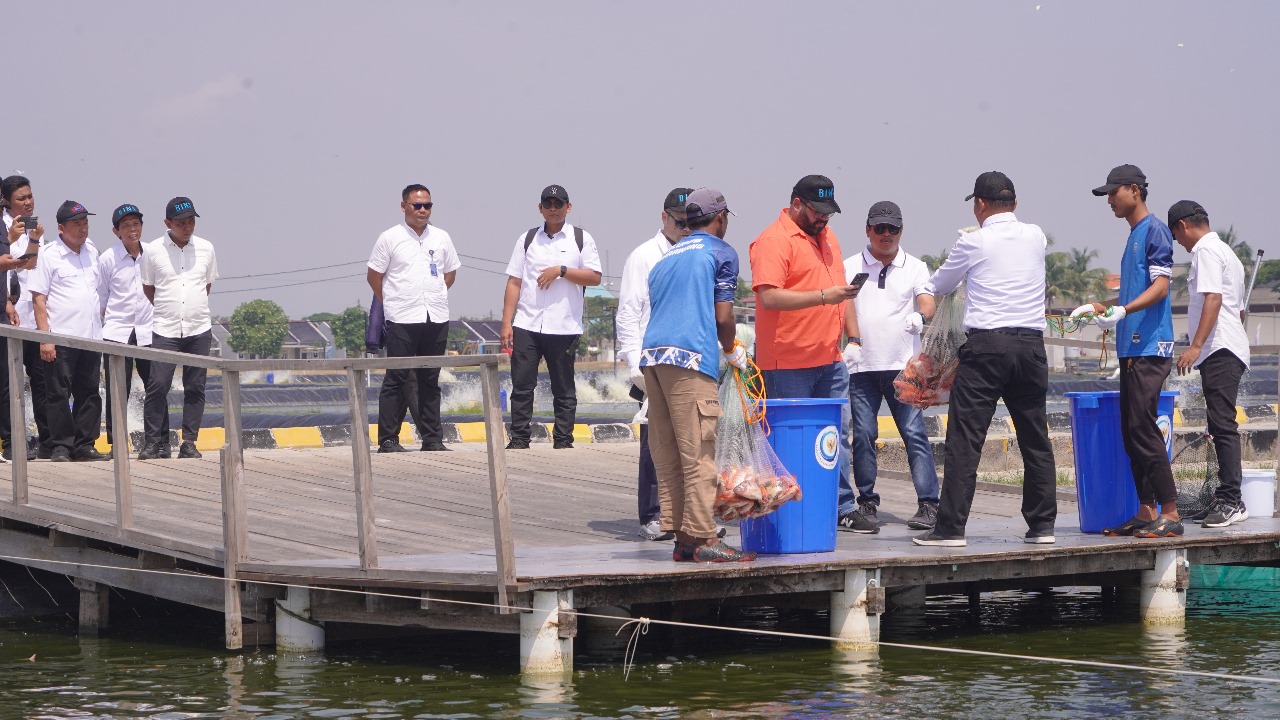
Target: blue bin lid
(797, 402)
(1114, 393)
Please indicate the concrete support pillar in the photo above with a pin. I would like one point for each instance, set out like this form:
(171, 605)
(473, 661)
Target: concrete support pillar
(295, 630)
(546, 636)
(1163, 592)
(905, 598)
(855, 610)
(94, 603)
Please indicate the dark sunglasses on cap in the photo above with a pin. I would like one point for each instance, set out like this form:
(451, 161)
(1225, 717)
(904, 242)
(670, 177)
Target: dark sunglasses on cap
(886, 229)
(422, 206)
(680, 224)
(552, 203)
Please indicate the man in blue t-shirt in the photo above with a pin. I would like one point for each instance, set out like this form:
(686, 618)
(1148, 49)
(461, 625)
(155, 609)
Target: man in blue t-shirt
(690, 322)
(1144, 343)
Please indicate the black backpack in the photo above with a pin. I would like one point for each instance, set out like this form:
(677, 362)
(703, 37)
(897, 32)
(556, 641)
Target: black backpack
(577, 236)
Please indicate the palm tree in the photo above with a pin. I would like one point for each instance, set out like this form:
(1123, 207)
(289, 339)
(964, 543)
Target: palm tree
(1070, 279)
(1240, 247)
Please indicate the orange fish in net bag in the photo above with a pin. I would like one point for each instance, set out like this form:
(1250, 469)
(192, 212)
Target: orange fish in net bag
(751, 481)
(927, 378)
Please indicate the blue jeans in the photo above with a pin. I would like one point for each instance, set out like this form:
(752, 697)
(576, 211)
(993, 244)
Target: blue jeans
(824, 381)
(866, 389)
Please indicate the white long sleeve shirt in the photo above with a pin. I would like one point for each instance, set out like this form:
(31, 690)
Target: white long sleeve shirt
(633, 298)
(1003, 264)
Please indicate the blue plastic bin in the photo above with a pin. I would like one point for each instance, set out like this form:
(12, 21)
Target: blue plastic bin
(805, 434)
(1104, 481)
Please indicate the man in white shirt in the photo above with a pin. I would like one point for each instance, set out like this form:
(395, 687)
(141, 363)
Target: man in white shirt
(892, 307)
(1219, 346)
(64, 293)
(126, 312)
(177, 273)
(630, 322)
(20, 203)
(1002, 263)
(9, 265)
(549, 270)
(411, 269)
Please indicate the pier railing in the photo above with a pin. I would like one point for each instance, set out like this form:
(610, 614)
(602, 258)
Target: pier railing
(234, 518)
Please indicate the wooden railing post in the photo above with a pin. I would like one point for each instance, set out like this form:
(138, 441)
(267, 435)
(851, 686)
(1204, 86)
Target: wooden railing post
(235, 530)
(357, 382)
(17, 422)
(495, 441)
(117, 377)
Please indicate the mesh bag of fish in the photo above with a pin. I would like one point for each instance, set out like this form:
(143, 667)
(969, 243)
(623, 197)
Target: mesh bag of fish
(752, 481)
(926, 380)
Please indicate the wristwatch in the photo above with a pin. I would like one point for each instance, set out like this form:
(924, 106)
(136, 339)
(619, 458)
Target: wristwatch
(855, 340)
(563, 269)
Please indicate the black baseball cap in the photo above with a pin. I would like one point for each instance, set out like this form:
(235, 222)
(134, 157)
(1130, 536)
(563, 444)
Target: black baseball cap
(993, 185)
(180, 208)
(1120, 176)
(676, 199)
(1185, 209)
(818, 191)
(71, 210)
(556, 192)
(123, 212)
(885, 211)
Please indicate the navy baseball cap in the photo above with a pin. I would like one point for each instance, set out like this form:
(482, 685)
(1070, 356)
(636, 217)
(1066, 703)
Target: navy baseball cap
(123, 212)
(676, 199)
(71, 210)
(555, 192)
(180, 208)
(819, 191)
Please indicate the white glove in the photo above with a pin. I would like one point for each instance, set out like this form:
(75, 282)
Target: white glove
(852, 357)
(637, 377)
(1111, 317)
(1084, 310)
(915, 323)
(737, 357)
(642, 417)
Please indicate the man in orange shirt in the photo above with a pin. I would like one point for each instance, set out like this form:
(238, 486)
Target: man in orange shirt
(797, 272)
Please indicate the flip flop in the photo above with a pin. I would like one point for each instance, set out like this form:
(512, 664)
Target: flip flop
(1160, 528)
(1126, 528)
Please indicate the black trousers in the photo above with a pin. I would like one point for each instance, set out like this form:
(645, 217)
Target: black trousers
(1220, 379)
(73, 377)
(995, 364)
(530, 348)
(155, 410)
(1141, 379)
(6, 426)
(647, 503)
(410, 340)
(144, 372)
(35, 376)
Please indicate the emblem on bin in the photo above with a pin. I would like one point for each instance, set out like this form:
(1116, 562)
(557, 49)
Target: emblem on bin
(827, 447)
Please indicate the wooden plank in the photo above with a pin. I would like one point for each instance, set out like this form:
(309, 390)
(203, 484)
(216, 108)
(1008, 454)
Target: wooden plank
(116, 376)
(97, 529)
(357, 380)
(504, 543)
(108, 348)
(17, 421)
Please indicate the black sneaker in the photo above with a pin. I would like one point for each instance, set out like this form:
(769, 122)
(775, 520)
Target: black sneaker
(518, 444)
(60, 454)
(187, 450)
(933, 539)
(42, 453)
(436, 446)
(1039, 537)
(721, 552)
(562, 445)
(89, 455)
(153, 452)
(390, 446)
(1223, 513)
(863, 520)
(925, 518)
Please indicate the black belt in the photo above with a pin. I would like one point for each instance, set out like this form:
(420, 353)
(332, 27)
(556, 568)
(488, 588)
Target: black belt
(1019, 331)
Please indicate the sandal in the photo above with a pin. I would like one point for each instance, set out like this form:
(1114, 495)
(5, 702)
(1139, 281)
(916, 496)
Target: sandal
(1160, 528)
(1127, 528)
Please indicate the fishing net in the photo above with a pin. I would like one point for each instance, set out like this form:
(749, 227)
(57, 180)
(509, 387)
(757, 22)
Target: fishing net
(926, 380)
(751, 479)
(1195, 474)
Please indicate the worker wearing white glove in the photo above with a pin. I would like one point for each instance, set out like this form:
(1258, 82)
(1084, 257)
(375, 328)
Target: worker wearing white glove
(737, 357)
(915, 323)
(637, 377)
(853, 354)
(1111, 317)
(1086, 311)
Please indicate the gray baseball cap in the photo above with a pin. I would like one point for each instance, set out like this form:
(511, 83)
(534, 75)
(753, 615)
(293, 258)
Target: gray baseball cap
(885, 211)
(705, 201)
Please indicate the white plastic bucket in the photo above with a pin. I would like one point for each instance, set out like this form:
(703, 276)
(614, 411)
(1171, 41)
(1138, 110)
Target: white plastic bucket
(1258, 491)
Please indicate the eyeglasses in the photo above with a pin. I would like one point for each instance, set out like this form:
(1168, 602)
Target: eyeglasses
(680, 224)
(552, 203)
(815, 210)
(886, 229)
(422, 206)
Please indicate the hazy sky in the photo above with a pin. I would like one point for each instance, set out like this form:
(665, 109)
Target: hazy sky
(294, 125)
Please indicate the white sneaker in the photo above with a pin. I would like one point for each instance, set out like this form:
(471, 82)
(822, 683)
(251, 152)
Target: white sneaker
(652, 530)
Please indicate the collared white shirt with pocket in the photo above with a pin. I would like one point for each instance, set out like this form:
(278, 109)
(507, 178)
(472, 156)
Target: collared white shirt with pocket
(69, 281)
(413, 269)
(1003, 266)
(125, 309)
(558, 309)
(179, 276)
(633, 297)
(1216, 269)
(883, 311)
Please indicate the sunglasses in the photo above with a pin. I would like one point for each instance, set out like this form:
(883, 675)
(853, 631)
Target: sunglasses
(551, 203)
(886, 229)
(815, 210)
(422, 206)
(680, 224)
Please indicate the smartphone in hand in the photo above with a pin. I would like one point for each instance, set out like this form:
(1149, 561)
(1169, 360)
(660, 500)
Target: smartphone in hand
(857, 282)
